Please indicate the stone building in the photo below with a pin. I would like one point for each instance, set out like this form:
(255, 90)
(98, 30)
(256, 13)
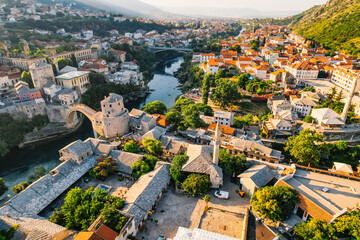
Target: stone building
(70, 80)
(41, 73)
(141, 122)
(26, 109)
(114, 117)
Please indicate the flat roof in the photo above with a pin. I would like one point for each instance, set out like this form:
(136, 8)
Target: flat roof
(71, 75)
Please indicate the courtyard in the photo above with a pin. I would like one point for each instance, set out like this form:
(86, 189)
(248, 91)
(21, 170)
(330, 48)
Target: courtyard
(177, 209)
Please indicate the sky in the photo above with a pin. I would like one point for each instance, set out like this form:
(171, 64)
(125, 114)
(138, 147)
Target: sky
(261, 5)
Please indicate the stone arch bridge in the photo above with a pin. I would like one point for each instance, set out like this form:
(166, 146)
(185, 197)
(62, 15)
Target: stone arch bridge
(163, 49)
(89, 113)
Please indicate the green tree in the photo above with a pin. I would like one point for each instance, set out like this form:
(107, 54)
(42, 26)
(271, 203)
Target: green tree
(315, 229)
(305, 148)
(309, 89)
(113, 218)
(37, 173)
(243, 79)
(63, 62)
(174, 117)
(143, 166)
(8, 234)
(82, 207)
(206, 109)
(197, 184)
(207, 199)
(308, 119)
(206, 88)
(181, 103)
(132, 147)
(175, 169)
(57, 217)
(104, 167)
(73, 61)
(225, 93)
(20, 187)
(155, 107)
(232, 164)
(236, 48)
(192, 116)
(275, 203)
(348, 224)
(3, 187)
(96, 78)
(26, 77)
(153, 146)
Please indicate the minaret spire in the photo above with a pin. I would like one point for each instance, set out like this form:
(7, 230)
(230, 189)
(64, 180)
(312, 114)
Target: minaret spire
(348, 101)
(217, 142)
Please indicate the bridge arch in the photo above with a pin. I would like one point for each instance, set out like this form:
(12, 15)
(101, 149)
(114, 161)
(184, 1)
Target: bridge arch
(88, 112)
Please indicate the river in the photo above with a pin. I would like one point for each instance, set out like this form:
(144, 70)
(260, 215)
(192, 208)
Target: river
(20, 163)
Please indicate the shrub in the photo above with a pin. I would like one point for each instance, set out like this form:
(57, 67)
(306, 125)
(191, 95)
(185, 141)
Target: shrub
(20, 187)
(197, 184)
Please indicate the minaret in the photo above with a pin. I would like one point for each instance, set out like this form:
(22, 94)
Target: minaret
(348, 101)
(217, 142)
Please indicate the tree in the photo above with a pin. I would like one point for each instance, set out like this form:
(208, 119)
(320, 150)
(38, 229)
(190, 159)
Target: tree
(232, 164)
(309, 89)
(174, 117)
(82, 207)
(3, 187)
(143, 166)
(182, 103)
(192, 116)
(155, 107)
(26, 77)
(349, 224)
(275, 203)
(243, 79)
(8, 234)
(20, 187)
(207, 199)
(315, 229)
(305, 147)
(175, 169)
(96, 78)
(63, 62)
(153, 146)
(206, 88)
(132, 147)
(197, 184)
(236, 48)
(206, 109)
(37, 173)
(225, 93)
(308, 119)
(104, 167)
(113, 218)
(74, 61)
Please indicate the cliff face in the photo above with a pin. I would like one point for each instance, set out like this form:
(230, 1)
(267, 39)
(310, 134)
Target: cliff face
(335, 25)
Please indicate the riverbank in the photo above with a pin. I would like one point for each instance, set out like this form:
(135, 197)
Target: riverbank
(18, 164)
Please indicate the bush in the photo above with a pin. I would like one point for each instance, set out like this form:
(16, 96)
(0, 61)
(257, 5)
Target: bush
(155, 107)
(3, 187)
(20, 187)
(153, 146)
(275, 203)
(113, 218)
(141, 167)
(175, 169)
(105, 167)
(308, 119)
(37, 173)
(132, 147)
(197, 184)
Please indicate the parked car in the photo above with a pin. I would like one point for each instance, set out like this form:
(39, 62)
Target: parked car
(221, 194)
(161, 237)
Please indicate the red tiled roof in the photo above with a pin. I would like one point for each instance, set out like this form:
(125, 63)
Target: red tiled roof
(106, 233)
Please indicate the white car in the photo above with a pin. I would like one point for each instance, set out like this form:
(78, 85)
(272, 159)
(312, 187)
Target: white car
(221, 194)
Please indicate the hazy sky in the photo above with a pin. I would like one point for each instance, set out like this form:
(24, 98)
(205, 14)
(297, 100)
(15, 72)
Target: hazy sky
(263, 5)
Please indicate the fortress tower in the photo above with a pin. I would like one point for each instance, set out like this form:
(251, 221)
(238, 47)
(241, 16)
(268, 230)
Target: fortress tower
(114, 115)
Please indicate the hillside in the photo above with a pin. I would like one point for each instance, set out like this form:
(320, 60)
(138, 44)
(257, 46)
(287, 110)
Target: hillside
(335, 25)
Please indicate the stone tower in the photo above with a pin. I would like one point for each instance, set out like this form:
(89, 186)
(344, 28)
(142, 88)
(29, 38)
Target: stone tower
(41, 73)
(217, 142)
(114, 115)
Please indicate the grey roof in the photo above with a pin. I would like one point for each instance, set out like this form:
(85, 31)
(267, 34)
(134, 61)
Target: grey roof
(39, 64)
(259, 174)
(304, 102)
(71, 75)
(41, 193)
(288, 115)
(136, 113)
(67, 69)
(247, 145)
(142, 196)
(78, 147)
(281, 123)
(154, 133)
(65, 91)
(112, 98)
(124, 160)
(100, 147)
